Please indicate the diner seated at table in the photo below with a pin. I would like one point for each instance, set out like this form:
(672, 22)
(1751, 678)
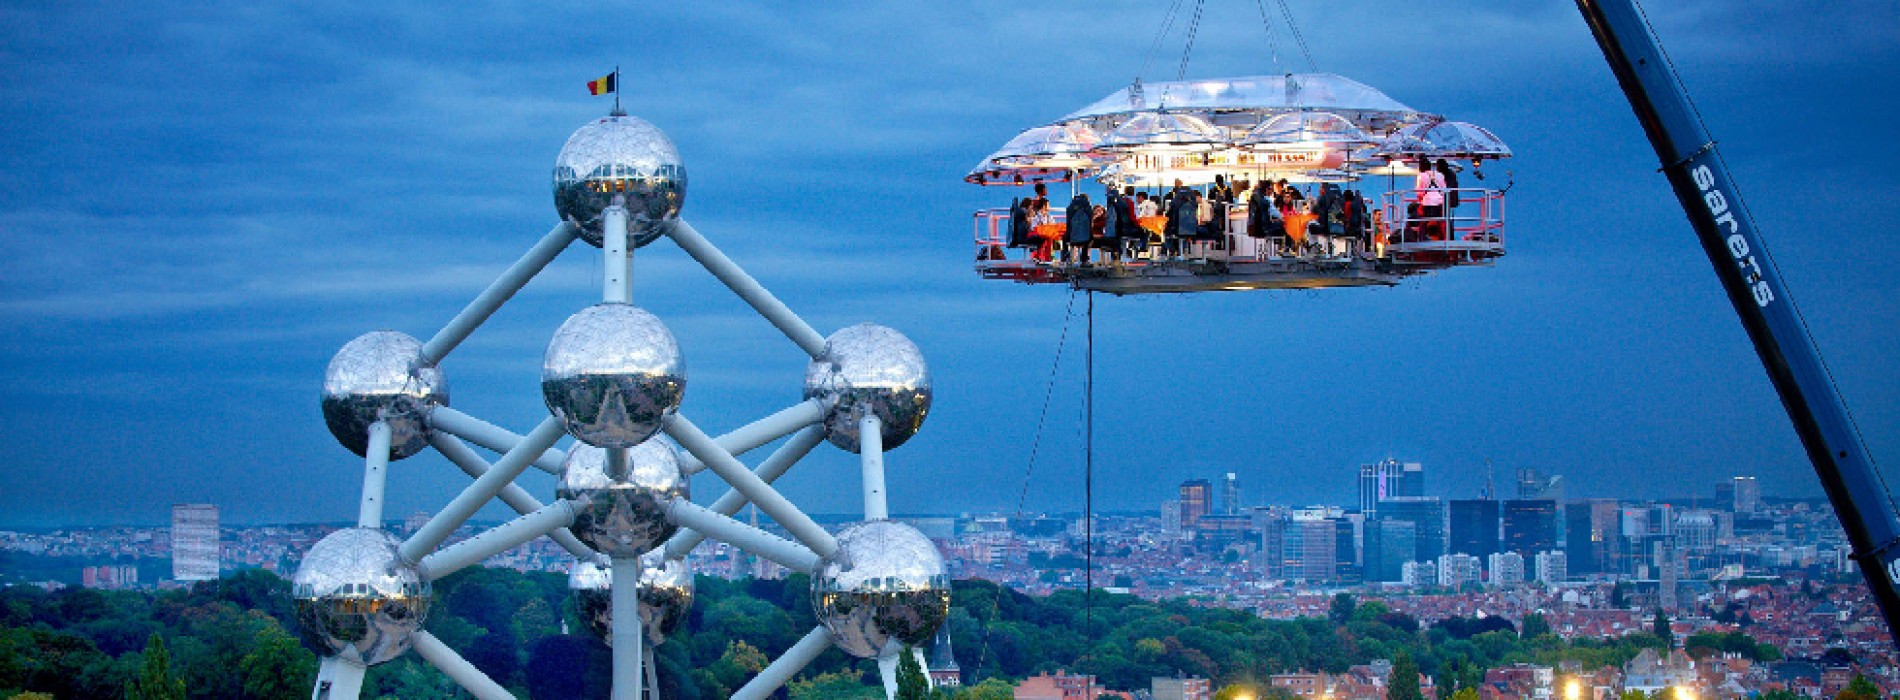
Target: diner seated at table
(1145, 207)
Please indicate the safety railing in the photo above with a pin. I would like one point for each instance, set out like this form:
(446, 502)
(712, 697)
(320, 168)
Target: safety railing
(1472, 231)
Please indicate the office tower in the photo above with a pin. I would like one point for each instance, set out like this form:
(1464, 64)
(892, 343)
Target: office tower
(1695, 531)
(1194, 502)
(1474, 528)
(1171, 519)
(1389, 479)
(1310, 548)
(1552, 568)
(1428, 514)
(1390, 545)
(1590, 534)
(1272, 524)
(1532, 486)
(1230, 493)
(1747, 495)
(195, 542)
(1419, 573)
(1507, 569)
(1530, 526)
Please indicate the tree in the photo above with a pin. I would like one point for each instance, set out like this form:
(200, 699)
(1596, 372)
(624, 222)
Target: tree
(1403, 683)
(277, 668)
(1534, 625)
(911, 683)
(1859, 689)
(1234, 691)
(155, 680)
(1466, 693)
(1343, 607)
(1660, 626)
(1619, 597)
(989, 689)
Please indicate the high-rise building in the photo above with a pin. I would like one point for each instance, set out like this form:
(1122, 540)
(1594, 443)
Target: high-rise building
(1419, 573)
(1389, 479)
(1317, 549)
(1474, 528)
(1459, 570)
(1590, 532)
(1532, 486)
(1427, 513)
(1747, 495)
(195, 542)
(1230, 494)
(1195, 502)
(1171, 519)
(1530, 526)
(1390, 545)
(1551, 568)
(1695, 531)
(1507, 569)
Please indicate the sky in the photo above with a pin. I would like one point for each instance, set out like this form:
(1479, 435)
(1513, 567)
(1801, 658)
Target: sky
(200, 202)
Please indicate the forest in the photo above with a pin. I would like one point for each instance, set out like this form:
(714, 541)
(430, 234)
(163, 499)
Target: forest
(237, 638)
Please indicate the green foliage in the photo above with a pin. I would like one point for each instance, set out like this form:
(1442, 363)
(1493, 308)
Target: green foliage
(277, 667)
(155, 680)
(1466, 693)
(838, 685)
(1659, 626)
(911, 683)
(1342, 608)
(1780, 694)
(1237, 691)
(1859, 689)
(1706, 644)
(1534, 625)
(1403, 683)
(989, 689)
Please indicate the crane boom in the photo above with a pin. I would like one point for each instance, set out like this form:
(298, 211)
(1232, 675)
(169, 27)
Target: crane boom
(1728, 236)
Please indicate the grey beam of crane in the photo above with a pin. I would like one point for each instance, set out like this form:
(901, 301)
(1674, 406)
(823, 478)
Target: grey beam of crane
(1701, 181)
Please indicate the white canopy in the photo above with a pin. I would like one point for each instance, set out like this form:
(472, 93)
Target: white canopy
(1321, 91)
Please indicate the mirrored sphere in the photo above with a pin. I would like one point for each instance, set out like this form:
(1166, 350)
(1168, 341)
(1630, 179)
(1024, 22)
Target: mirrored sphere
(869, 369)
(619, 156)
(613, 374)
(378, 376)
(885, 582)
(666, 596)
(623, 515)
(353, 592)
(592, 587)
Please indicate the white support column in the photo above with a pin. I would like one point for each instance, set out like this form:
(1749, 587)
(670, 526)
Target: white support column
(613, 230)
(458, 669)
(496, 540)
(786, 665)
(497, 293)
(751, 539)
(489, 436)
(627, 630)
(762, 301)
(762, 431)
(651, 666)
(871, 453)
(768, 471)
(375, 476)
(728, 468)
(339, 678)
(513, 495)
(477, 494)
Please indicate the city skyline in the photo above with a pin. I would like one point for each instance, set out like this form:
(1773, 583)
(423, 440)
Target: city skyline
(192, 238)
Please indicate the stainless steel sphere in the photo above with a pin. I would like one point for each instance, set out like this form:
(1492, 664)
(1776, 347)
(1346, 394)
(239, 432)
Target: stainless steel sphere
(592, 587)
(378, 376)
(619, 156)
(666, 596)
(613, 373)
(353, 592)
(869, 369)
(886, 582)
(623, 515)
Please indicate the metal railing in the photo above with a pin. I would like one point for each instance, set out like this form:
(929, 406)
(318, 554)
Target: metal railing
(1472, 230)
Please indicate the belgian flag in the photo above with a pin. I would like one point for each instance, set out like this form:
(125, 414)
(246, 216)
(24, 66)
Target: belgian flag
(604, 84)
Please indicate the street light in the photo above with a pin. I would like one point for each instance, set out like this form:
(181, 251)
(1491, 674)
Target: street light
(1573, 690)
(1685, 692)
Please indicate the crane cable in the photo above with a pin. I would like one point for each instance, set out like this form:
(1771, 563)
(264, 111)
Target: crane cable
(1194, 28)
(1035, 445)
(1297, 37)
(1167, 23)
(1273, 42)
(1853, 425)
(1088, 477)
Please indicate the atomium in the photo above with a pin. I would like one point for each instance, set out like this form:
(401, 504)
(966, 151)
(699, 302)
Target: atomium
(353, 592)
(623, 515)
(885, 583)
(612, 374)
(379, 377)
(870, 370)
(613, 378)
(619, 157)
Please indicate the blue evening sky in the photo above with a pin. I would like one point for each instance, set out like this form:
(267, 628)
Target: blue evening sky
(201, 201)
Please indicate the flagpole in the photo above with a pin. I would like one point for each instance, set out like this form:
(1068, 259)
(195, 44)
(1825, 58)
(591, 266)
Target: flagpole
(617, 88)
